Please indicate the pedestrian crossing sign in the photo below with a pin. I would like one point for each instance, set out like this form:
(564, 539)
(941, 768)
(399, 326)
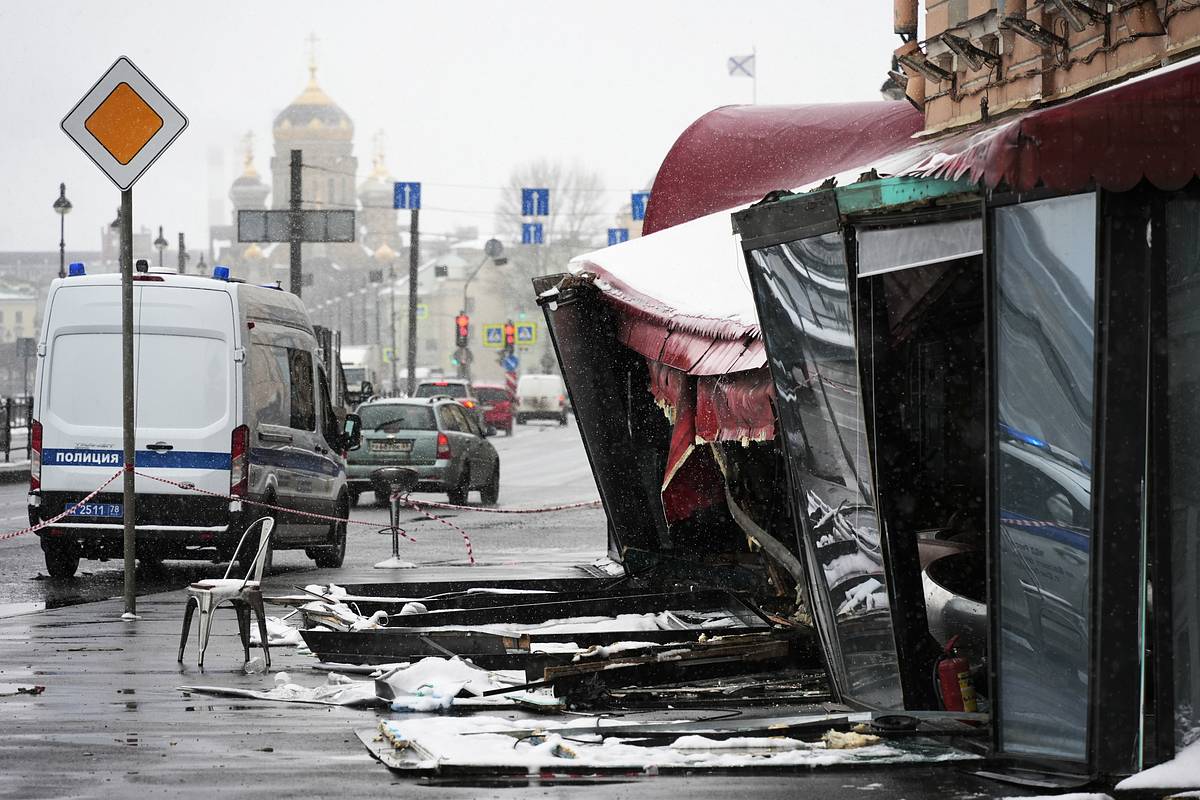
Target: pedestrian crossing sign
(493, 336)
(526, 333)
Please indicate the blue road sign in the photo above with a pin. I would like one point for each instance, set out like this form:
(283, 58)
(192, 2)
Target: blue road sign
(493, 336)
(535, 202)
(406, 195)
(531, 233)
(617, 235)
(526, 333)
(510, 363)
(638, 201)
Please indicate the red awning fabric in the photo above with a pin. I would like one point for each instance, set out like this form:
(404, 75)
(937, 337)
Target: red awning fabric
(736, 154)
(735, 407)
(1145, 128)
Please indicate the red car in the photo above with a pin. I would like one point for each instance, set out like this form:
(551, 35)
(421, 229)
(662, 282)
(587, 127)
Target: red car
(497, 405)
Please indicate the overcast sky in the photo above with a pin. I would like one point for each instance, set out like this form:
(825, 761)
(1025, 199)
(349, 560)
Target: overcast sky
(464, 90)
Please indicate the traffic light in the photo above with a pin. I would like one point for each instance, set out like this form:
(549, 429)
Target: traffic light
(462, 330)
(510, 334)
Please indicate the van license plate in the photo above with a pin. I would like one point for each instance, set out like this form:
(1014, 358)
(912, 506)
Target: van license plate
(390, 445)
(95, 510)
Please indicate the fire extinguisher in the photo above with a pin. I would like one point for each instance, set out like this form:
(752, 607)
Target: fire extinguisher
(953, 675)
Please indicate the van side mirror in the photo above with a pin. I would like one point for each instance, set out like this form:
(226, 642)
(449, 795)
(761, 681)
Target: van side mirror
(351, 432)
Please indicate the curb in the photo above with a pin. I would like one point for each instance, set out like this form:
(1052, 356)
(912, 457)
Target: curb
(17, 472)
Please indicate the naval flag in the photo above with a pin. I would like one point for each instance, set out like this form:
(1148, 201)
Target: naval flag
(741, 66)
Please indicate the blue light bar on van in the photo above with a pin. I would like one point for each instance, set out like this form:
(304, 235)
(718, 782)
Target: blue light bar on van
(221, 273)
(76, 270)
(1022, 436)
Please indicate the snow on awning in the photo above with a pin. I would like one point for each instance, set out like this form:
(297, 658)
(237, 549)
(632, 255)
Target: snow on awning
(683, 297)
(736, 154)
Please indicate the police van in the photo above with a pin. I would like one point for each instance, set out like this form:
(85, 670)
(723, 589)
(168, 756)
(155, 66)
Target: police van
(231, 405)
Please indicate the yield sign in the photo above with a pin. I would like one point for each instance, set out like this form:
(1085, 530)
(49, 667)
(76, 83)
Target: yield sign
(124, 123)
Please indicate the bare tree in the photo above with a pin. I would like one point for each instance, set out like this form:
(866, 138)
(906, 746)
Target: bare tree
(576, 222)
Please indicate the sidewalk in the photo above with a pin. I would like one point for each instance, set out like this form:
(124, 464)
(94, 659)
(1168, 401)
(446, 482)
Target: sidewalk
(111, 722)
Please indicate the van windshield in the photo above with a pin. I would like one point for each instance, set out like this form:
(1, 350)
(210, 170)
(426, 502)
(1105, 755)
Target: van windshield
(355, 374)
(540, 384)
(182, 381)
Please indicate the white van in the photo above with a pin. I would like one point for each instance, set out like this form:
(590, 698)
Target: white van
(231, 398)
(541, 397)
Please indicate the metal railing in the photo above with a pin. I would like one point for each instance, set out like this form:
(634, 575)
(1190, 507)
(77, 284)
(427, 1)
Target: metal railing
(14, 426)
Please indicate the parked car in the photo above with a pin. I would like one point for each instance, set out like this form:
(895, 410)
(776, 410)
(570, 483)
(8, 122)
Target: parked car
(435, 436)
(541, 397)
(496, 402)
(232, 399)
(458, 389)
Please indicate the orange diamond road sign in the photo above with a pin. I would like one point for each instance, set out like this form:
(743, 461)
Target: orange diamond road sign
(124, 123)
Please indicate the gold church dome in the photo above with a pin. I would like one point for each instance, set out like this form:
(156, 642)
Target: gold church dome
(313, 114)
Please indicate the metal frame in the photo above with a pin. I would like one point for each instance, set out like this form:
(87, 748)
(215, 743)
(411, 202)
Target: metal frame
(580, 327)
(915, 655)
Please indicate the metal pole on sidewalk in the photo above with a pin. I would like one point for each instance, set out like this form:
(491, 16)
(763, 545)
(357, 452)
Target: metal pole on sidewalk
(127, 417)
(414, 250)
(296, 232)
(395, 355)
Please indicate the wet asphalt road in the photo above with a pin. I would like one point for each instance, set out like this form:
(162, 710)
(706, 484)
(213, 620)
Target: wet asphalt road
(541, 464)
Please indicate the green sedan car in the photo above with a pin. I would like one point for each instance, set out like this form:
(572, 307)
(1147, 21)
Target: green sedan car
(435, 436)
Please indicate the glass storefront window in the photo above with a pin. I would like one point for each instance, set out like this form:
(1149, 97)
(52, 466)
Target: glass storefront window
(802, 291)
(1182, 437)
(1045, 262)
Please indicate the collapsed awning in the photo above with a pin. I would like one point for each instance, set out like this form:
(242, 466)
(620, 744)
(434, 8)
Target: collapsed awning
(681, 294)
(736, 154)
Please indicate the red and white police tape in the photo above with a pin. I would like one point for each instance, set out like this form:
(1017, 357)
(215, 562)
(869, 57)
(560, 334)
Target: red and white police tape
(404, 499)
(417, 507)
(47, 522)
(312, 515)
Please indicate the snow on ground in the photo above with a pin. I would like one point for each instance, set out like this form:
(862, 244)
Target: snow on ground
(430, 684)
(1181, 772)
(496, 742)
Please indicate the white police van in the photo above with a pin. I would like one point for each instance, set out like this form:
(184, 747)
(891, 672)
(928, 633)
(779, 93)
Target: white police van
(232, 403)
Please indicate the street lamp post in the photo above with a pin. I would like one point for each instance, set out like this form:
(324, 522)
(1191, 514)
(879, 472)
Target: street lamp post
(62, 207)
(160, 244)
(493, 250)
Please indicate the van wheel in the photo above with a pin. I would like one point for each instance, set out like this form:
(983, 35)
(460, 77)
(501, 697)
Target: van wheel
(331, 557)
(563, 419)
(490, 493)
(354, 495)
(62, 557)
(520, 419)
(458, 495)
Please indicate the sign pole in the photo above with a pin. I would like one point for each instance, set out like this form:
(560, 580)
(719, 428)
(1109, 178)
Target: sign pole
(295, 228)
(414, 255)
(394, 359)
(127, 407)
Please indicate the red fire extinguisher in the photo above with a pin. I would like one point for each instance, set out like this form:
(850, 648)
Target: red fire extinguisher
(954, 680)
